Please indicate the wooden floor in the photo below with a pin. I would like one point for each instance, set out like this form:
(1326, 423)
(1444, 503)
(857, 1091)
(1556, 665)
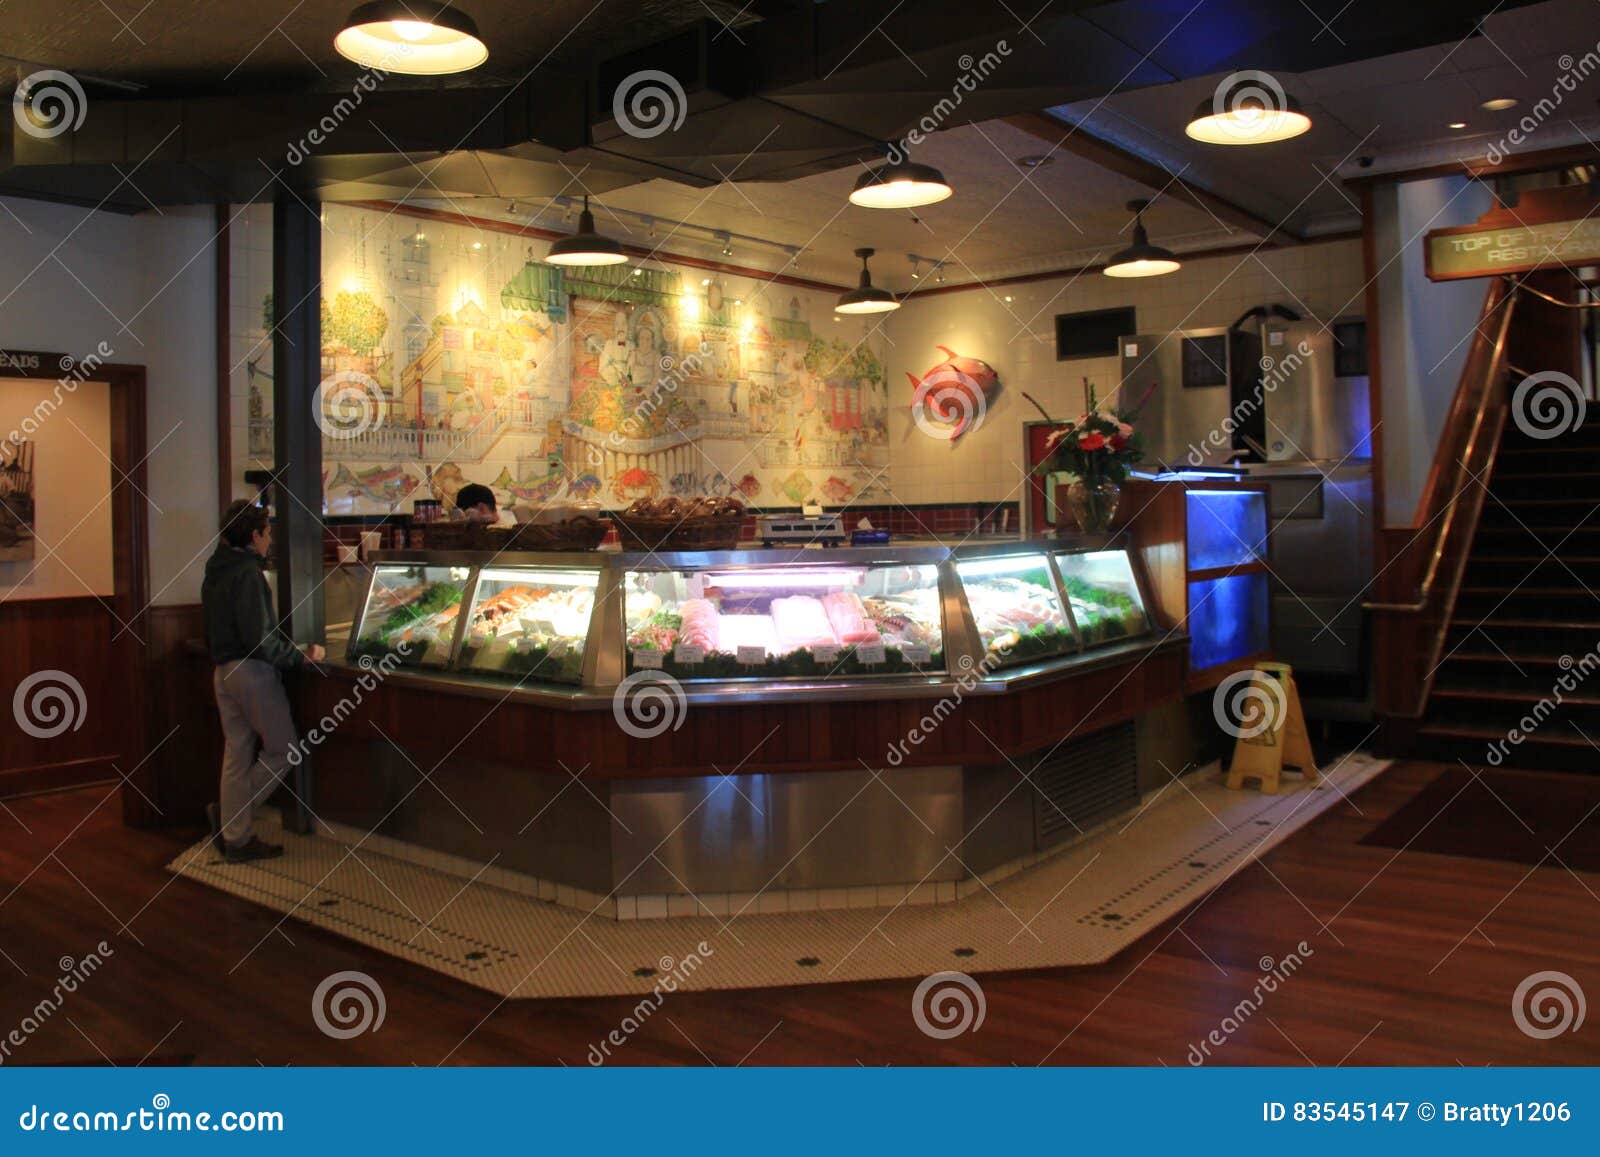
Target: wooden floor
(1414, 961)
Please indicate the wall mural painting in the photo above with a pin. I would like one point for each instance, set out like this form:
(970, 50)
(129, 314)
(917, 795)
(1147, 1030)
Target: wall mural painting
(16, 502)
(454, 355)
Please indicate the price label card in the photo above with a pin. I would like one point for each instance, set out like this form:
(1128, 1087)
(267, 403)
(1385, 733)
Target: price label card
(915, 654)
(752, 656)
(646, 660)
(688, 654)
(870, 653)
(825, 653)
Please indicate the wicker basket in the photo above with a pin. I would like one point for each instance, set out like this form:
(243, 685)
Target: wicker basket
(719, 532)
(573, 534)
(455, 536)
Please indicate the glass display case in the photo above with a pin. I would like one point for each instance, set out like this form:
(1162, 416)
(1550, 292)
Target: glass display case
(577, 623)
(529, 623)
(1103, 595)
(410, 614)
(811, 620)
(1015, 609)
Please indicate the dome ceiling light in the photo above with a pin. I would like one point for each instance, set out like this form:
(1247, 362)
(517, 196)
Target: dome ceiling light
(1141, 259)
(901, 184)
(412, 37)
(866, 297)
(1248, 108)
(586, 246)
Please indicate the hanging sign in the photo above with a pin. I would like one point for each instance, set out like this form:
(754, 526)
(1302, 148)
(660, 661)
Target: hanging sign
(1545, 229)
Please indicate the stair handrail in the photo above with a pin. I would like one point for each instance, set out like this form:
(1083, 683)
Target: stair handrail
(1503, 293)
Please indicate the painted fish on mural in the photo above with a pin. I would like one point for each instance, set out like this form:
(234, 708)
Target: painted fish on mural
(952, 397)
(749, 486)
(685, 485)
(796, 488)
(837, 491)
(585, 486)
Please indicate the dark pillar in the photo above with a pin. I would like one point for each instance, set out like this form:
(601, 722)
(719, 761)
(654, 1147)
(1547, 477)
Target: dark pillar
(297, 440)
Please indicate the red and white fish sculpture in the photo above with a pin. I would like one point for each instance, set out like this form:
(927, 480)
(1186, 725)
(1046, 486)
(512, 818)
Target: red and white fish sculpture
(953, 396)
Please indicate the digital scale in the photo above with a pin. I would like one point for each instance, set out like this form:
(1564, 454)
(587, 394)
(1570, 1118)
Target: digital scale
(810, 526)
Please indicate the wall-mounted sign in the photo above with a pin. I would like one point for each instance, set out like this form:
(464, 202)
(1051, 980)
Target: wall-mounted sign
(1545, 229)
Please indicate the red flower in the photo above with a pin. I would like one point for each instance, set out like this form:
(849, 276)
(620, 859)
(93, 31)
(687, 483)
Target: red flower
(1118, 442)
(1091, 441)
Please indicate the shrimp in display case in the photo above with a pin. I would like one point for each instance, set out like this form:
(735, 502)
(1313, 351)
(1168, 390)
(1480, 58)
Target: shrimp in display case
(529, 624)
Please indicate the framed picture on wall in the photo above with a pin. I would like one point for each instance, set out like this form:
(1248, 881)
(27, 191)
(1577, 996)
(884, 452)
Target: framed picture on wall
(16, 502)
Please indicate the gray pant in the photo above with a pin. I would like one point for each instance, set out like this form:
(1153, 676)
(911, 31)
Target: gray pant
(252, 703)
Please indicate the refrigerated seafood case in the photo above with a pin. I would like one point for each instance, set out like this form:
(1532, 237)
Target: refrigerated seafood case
(798, 619)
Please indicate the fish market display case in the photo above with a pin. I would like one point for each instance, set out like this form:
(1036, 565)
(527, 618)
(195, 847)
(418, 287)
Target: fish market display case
(786, 721)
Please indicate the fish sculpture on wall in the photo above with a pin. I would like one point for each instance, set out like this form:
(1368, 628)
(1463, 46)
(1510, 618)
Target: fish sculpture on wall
(953, 396)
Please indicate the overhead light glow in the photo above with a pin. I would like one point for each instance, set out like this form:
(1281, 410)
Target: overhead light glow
(1251, 116)
(900, 185)
(586, 246)
(866, 297)
(1500, 103)
(1141, 259)
(411, 37)
(1457, 125)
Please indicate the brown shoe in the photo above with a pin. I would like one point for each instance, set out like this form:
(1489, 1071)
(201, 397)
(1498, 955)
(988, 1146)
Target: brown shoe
(254, 849)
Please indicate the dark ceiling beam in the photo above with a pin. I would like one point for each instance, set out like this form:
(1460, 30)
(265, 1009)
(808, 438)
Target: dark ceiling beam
(1080, 142)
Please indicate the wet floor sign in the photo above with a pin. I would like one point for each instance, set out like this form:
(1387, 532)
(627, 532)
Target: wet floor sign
(1271, 733)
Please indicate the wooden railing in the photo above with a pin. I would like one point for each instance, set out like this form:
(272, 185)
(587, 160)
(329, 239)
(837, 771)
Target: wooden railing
(1420, 566)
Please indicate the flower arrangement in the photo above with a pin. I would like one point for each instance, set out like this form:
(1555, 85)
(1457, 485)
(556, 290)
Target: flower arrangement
(1097, 451)
(1100, 446)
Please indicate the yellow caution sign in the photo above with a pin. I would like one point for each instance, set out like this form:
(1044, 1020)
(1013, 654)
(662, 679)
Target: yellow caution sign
(1260, 707)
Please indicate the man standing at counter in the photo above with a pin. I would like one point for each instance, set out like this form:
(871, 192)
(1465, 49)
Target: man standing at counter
(250, 654)
(475, 502)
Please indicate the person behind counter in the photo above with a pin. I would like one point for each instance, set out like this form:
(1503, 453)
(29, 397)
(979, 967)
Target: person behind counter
(475, 503)
(250, 653)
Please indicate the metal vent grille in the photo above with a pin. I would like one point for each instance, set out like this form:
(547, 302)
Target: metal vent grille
(1083, 782)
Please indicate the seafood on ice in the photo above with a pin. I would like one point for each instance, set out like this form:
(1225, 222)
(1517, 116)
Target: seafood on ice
(848, 618)
(700, 624)
(801, 621)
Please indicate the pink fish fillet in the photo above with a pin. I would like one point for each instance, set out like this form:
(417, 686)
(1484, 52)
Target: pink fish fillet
(849, 618)
(800, 621)
(700, 624)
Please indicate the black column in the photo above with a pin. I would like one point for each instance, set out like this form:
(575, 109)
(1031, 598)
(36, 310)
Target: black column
(297, 440)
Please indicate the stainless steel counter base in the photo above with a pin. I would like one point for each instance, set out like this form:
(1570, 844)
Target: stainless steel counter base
(739, 833)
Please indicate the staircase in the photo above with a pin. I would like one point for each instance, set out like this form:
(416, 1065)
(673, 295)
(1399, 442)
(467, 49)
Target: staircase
(1527, 615)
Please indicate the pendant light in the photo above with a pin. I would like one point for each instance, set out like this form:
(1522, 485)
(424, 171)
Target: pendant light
(413, 37)
(1141, 259)
(1255, 112)
(586, 247)
(866, 297)
(901, 184)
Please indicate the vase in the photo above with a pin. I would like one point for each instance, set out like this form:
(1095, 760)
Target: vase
(1093, 505)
